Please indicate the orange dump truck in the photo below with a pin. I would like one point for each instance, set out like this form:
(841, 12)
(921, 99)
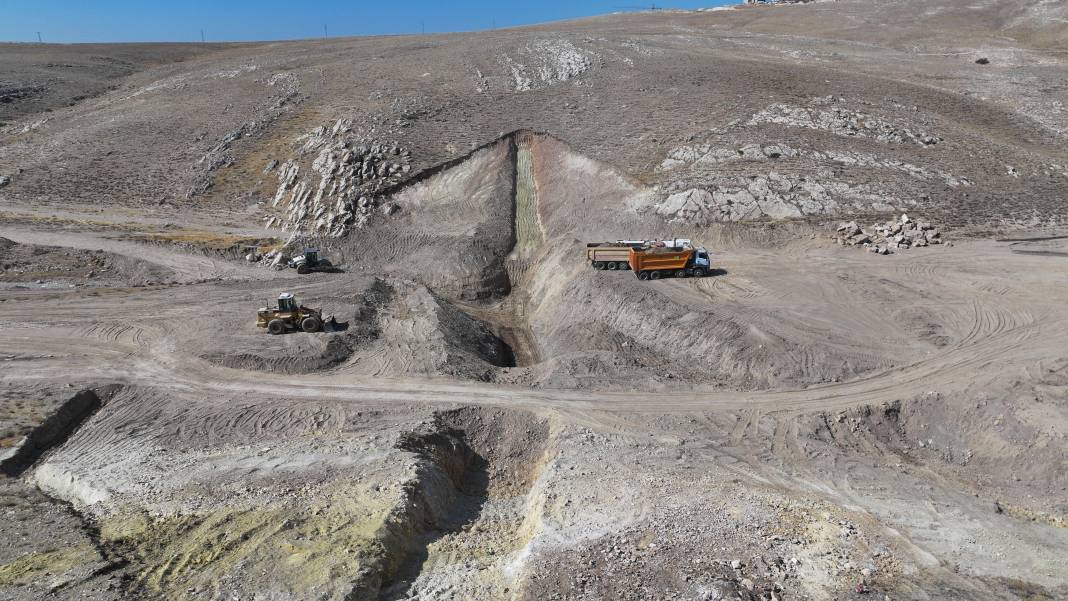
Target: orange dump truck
(616, 255)
(653, 263)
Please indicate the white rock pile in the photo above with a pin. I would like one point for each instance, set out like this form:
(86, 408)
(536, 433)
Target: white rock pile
(885, 238)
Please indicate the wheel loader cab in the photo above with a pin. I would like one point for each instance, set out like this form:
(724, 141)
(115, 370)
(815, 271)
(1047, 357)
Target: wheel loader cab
(311, 256)
(287, 303)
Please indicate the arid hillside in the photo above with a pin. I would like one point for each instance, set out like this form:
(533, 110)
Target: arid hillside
(836, 107)
(865, 395)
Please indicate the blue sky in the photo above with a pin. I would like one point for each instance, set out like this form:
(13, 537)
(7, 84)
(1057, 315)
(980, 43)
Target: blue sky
(182, 20)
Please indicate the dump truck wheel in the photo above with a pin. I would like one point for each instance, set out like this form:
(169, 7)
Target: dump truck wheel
(643, 275)
(303, 269)
(310, 324)
(623, 266)
(598, 265)
(276, 326)
(680, 273)
(612, 266)
(654, 275)
(699, 272)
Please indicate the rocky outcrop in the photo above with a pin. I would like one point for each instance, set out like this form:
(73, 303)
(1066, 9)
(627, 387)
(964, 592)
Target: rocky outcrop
(827, 115)
(773, 196)
(547, 62)
(338, 190)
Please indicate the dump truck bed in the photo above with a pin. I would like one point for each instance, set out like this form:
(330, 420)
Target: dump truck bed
(608, 253)
(659, 259)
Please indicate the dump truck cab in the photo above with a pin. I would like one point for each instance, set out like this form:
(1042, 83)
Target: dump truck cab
(701, 259)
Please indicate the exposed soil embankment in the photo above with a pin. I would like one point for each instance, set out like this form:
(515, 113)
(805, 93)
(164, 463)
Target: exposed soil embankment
(452, 230)
(24, 265)
(56, 428)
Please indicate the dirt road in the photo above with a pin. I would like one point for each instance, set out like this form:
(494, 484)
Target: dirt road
(1009, 321)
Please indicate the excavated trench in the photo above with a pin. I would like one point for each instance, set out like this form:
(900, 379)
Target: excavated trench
(468, 510)
(507, 316)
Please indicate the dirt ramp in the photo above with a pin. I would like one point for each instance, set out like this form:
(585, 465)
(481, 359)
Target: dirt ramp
(387, 328)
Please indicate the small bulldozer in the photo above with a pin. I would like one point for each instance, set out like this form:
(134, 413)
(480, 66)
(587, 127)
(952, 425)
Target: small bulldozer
(310, 261)
(289, 315)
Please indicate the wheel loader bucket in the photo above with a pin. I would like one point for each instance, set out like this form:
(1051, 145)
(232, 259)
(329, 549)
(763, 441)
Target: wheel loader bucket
(331, 324)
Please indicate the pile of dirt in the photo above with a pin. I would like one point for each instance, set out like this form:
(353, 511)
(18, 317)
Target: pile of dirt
(386, 327)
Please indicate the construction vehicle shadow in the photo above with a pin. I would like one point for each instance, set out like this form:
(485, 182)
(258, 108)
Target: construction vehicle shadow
(716, 272)
(335, 326)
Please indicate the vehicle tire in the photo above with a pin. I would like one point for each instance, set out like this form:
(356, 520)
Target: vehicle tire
(654, 275)
(612, 266)
(699, 272)
(643, 275)
(624, 266)
(598, 265)
(681, 273)
(311, 324)
(276, 326)
(303, 269)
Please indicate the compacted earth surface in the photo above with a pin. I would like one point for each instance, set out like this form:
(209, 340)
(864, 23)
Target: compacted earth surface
(866, 398)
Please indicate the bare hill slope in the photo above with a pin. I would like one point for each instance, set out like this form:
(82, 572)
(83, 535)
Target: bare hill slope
(854, 107)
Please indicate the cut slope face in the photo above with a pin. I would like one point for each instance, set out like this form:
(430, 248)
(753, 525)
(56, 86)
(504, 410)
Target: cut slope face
(453, 229)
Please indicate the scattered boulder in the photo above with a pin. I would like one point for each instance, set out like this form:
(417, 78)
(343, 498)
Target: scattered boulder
(983, 61)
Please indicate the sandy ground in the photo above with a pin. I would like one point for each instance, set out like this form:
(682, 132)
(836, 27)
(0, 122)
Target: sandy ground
(493, 419)
(614, 468)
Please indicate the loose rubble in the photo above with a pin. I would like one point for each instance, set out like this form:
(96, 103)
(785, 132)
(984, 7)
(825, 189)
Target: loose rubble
(884, 238)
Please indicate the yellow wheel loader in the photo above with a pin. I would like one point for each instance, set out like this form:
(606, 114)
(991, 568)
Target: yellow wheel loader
(290, 315)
